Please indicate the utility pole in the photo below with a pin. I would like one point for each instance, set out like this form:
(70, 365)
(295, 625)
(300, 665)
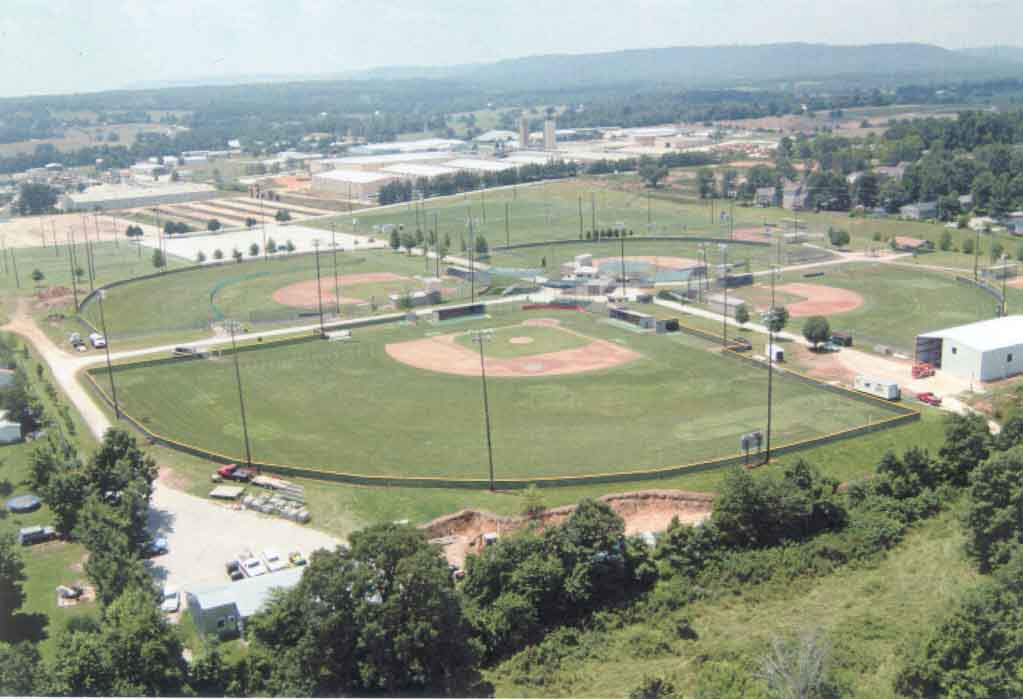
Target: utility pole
(580, 216)
(770, 366)
(71, 264)
(625, 276)
(472, 266)
(337, 286)
(507, 229)
(724, 306)
(593, 213)
(241, 396)
(319, 289)
(56, 246)
(14, 264)
(649, 214)
(439, 243)
(106, 347)
(479, 337)
(976, 253)
(731, 218)
(1005, 272)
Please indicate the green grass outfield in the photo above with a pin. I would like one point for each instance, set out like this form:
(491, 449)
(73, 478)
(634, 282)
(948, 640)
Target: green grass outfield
(349, 407)
(191, 299)
(502, 344)
(899, 302)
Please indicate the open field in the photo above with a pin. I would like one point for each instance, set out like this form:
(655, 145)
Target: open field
(77, 137)
(191, 300)
(41, 231)
(898, 303)
(327, 405)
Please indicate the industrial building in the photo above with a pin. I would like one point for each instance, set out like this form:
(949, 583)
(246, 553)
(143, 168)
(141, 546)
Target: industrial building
(222, 610)
(108, 197)
(361, 185)
(417, 170)
(984, 351)
(479, 165)
(523, 132)
(550, 139)
(420, 146)
(377, 162)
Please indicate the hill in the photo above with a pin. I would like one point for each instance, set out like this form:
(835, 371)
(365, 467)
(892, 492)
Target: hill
(1005, 54)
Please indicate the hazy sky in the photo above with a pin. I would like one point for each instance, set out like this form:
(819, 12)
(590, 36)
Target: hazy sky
(49, 46)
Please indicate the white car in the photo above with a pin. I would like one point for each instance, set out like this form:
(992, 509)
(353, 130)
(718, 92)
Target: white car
(253, 567)
(171, 600)
(97, 340)
(274, 562)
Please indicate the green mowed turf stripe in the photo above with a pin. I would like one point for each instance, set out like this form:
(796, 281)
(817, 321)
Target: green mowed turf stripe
(350, 407)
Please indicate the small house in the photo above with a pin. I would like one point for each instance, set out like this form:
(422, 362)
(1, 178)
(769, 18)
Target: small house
(919, 211)
(764, 196)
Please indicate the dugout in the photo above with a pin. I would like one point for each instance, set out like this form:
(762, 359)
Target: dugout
(463, 311)
(642, 320)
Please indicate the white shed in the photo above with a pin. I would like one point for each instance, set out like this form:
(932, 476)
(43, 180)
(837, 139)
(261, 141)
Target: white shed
(984, 351)
(10, 432)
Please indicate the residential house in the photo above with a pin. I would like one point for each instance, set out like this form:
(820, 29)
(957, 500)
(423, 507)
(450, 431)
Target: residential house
(919, 211)
(894, 171)
(764, 196)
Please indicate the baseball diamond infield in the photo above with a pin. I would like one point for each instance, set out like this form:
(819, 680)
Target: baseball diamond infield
(821, 300)
(303, 294)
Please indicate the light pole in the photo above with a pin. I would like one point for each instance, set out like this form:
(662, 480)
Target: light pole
(480, 337)
(976, 253)
(106, 346)
(241, 397)
(625, 276)
(770, 365)
(724, 306)
(337, 289)
(1005, 273)
(319, 288)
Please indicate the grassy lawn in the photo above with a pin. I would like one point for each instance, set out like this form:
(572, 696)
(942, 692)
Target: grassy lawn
(350, 407)
(870, 615)
(899, 302)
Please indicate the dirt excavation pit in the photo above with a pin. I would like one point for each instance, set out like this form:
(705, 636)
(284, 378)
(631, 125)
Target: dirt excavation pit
(820, 300)
(444, 355)
(461, 533)
(303, 294)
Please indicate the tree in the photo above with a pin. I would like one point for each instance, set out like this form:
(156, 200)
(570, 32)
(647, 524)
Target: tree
(945, 242)
(838, 237)
(289, 246)
(170, 228)
(271, 245)
(797, 670)
(482, 247)
(12, 575)
(237, 255)
(966, 445)
(996, 250)
(705, 183)
(200, 257)
(250, 222)
(38, 276)
(651, 171)
(395, 240)
(213, 225)
(967, 246)
(816, 330)
(994, 511)
(159, 261)
(19, 669)
(978, 649)
(254, 250)
(282, 215)
(134, 231)
(532, 501)
(776, 318)
(218, 254)
(741, 314)
(408, 241)
(654, 688)
(35, 198)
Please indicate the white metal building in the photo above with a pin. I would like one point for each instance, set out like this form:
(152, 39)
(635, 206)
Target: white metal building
(479, 165)
(375, 162)
(416, 170)
(360, 185)
(222, 610)
(129, 196)
(984, 351)
(10, 432)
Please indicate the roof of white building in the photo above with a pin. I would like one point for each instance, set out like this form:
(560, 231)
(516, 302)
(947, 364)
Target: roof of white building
(479, 164)
(985, 335)
(418, 170)
(107, 192)
(250, 594)
(423, 144)
(388, 158)
(353, 176)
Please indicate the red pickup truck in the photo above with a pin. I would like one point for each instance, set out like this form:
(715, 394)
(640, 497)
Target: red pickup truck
(234, 472)
(929, 398)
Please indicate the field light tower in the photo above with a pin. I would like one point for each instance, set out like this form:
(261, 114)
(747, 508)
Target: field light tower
(724, 307)
(770, 365)
(480, 337)
(231, 324)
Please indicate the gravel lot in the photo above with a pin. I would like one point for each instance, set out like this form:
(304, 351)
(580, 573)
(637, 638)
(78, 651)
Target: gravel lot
(302, 236)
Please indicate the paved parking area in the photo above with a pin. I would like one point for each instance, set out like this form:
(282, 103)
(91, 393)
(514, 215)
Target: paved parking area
(204, 535)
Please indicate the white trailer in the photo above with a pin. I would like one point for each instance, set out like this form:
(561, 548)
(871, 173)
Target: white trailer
(889, 390)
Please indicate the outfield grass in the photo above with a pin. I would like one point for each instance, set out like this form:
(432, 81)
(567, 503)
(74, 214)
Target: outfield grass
(541, 340)
(871, 617)
(350, 407)
(899, 302)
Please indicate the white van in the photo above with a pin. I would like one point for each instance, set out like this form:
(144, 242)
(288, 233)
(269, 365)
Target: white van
(97, 340)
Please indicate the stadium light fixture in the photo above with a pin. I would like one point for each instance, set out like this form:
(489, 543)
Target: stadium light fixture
(480, 337)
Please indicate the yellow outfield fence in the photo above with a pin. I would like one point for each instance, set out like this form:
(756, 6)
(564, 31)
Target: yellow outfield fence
(901, 415)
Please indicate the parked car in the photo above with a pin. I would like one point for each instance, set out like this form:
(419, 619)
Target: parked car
(97, 340)
(273, 560)
(296, 559)
(75, 339)
(929, 398)
(157, 547)
(183, 351)
(171, 600)
(253, 567)
(35, 535)
(234, 570)
(72, 592)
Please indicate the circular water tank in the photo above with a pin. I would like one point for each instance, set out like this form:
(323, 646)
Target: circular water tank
(23, 503)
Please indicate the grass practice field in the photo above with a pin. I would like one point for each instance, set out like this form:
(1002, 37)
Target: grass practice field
(193, 299)
(899, 302)
(351, 407)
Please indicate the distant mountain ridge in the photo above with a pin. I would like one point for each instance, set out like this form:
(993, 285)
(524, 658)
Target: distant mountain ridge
(1013, 54)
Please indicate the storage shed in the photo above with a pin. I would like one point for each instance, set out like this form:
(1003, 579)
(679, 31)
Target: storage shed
(983, 351)
(223, 610)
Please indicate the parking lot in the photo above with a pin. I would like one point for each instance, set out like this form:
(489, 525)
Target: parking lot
(202, 536)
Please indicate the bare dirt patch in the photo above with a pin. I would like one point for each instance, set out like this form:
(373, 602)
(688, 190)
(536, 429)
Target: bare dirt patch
(821, 300)
(542, 322)
(303, 294)
(462, 533)
(756, 235)
(442, 354)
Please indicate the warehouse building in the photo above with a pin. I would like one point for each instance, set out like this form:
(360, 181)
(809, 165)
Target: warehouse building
(108, 197)
(360, 185)
(377, 162)
(479, 165)
(984, 351)
(417, 170)
(222, 610)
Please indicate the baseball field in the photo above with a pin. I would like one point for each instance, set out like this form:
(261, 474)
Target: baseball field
(880, 303)
(570, 393)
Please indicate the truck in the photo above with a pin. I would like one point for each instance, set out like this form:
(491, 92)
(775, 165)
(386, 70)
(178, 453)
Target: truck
(234, 472)
(888, 390)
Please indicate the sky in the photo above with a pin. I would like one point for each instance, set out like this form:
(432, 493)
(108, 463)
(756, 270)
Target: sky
(67, 46)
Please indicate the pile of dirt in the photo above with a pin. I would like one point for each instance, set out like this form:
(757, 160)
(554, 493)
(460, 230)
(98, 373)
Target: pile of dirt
(461, 533)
